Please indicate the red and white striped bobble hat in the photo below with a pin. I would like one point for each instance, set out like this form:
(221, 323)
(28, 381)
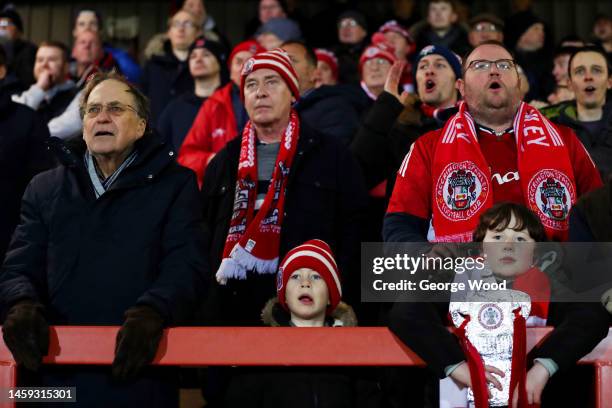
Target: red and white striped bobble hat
(277, 60)
(316, 255)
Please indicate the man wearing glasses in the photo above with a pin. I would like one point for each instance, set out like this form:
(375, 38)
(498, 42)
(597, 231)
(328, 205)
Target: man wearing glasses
(485, 27)
(495, 149)
(110, 237)
(167, 76)
(480, 143)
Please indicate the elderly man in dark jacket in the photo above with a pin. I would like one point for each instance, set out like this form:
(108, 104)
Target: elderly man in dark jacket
(111, 237)
(22, 153)
(278, 185)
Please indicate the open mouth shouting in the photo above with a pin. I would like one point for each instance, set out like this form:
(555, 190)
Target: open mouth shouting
(306, 300)
(430, 86)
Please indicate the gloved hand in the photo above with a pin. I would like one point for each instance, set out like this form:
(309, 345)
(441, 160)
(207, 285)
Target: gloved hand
(137, 341)
(26, 333)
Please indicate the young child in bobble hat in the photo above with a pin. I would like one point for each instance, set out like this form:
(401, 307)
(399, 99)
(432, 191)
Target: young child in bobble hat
(309, 290)
(309, 295)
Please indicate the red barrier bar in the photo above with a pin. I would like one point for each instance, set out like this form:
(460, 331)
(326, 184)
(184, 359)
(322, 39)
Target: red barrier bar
(247, 346)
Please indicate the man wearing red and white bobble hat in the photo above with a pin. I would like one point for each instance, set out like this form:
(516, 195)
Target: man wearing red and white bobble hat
(281, 183)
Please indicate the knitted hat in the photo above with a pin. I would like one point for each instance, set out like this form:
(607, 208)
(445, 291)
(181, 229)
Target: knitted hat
(355, 15)
(14, 16)
(379, 50)
(316, 255)
(329, 58)
(517, 25)
(217, 50)
(285, 29)
(453, 59)
(395, 27)
(251, 46)
(277, 60)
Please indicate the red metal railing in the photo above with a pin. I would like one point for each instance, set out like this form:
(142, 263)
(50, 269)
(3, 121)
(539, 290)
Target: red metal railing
(203, 346)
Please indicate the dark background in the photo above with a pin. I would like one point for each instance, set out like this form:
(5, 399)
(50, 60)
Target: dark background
(138, 20)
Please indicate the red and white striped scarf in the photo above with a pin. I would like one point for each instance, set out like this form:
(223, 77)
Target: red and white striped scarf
(253, 241)
(462, 187)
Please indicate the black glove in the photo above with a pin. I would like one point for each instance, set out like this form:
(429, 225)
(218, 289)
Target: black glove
(137, 342)
(26, 333)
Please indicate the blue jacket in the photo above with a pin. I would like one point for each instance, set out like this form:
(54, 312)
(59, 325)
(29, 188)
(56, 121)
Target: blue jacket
(127, 65)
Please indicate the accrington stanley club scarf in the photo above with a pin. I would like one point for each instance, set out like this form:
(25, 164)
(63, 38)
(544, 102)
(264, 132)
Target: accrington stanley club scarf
(253, 242)
(462, 187)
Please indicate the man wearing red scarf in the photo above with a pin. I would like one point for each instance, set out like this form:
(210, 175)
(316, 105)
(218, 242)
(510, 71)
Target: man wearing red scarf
(276, 186)
(496, 148)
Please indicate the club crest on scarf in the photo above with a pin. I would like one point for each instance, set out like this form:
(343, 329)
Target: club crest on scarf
(253, 239)
(462, 190)
(551, 195)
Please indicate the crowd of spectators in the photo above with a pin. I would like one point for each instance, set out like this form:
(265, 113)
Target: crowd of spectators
(171, 188)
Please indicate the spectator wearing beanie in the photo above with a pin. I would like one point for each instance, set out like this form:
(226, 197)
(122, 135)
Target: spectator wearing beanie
(395, 122)
(20, 53)
(277, 31)
(321, 107)
(308, 295)
(327, 67)
(220, 118)
(207, 66)
(527, 37)
(442, 28)
(374, 64)
(167, 76)
(400, 39)
(352, 40)
(276, 186)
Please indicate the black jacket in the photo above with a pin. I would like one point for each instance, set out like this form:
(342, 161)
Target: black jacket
(328, 111)
(599, 145)
(177, 118)
(164, 77)
(90, 260)
(382, 142)
(456, 39)
(325, 199)
(591, 217)
(301, 387)
(23, 154)
(22, 61)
